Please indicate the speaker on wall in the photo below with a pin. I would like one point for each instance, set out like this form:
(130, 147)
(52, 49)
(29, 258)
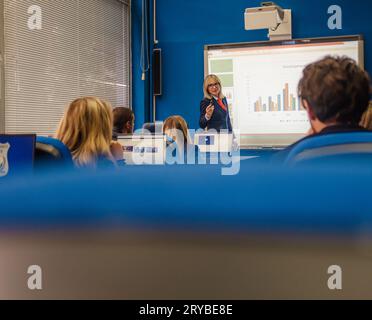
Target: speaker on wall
(156, 72)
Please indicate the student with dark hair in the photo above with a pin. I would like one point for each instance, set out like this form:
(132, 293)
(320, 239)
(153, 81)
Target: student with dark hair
(335, 93)
(123, 121)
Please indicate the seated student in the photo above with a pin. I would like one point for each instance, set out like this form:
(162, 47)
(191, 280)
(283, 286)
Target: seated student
(86, 129)
(176, 129)
(366, 121)
(123, 121)
(335, 93)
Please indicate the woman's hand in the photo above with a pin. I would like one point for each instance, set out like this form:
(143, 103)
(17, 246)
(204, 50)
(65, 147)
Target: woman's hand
(116, 150)
(209, 111)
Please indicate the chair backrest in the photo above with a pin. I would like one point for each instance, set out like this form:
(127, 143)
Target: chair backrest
(52, 152)
(337, 146)
(17, 154)
(153, 128)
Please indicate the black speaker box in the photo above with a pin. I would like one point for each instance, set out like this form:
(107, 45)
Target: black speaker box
(156, 72)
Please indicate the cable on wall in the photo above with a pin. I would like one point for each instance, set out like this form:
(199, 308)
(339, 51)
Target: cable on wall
(145, 58)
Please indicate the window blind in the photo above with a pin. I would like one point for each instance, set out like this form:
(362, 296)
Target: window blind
(82, 48)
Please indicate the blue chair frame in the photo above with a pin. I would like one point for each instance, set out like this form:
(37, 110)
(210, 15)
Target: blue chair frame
(335, 144)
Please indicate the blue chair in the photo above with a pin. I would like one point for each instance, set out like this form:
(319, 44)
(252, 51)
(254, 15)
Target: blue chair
(52, 152)
(341, 147)
(153, 128)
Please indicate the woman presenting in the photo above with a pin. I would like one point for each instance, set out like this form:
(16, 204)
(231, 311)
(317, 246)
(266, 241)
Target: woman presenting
(214, 110)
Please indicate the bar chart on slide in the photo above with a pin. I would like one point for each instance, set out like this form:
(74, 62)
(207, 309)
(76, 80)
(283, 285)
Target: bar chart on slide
(266, 104)
(286, 101)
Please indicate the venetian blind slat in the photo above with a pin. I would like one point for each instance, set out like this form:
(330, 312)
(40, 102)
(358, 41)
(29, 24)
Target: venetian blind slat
(82, 49)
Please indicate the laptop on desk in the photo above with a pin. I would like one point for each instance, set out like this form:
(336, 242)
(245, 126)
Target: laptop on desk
(143, 149)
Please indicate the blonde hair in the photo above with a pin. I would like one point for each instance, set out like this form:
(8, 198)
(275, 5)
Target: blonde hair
(178, 123)
(86, 129)
(366, 121)
(209, 80)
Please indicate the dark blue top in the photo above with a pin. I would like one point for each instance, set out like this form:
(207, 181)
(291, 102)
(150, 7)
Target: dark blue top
(220, 119)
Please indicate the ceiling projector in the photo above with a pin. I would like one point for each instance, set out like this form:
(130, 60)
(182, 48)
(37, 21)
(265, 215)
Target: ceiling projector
(269, 16)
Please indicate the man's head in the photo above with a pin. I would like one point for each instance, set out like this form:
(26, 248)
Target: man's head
(123, 120)
(334, 90)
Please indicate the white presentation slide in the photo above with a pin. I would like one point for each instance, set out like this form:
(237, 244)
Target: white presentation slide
(260, 84)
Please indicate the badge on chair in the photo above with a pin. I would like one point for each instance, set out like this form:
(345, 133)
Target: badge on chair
(4, 164)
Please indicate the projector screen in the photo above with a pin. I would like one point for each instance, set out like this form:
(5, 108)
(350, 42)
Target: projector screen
(260, 83)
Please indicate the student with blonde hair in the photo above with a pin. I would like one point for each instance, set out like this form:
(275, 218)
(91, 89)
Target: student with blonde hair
(366, 121)
(214, 109)
(86, 129)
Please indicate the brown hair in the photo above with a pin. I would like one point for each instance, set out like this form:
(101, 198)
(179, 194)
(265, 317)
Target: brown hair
(121, 117)
(336, 89)
(178, 123)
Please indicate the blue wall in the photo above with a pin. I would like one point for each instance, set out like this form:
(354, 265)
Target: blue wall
(185, 26)
(139, 94)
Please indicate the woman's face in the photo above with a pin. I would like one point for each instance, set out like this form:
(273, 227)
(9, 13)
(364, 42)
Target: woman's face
(170, 133)
(175, 134)
(214, 88)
